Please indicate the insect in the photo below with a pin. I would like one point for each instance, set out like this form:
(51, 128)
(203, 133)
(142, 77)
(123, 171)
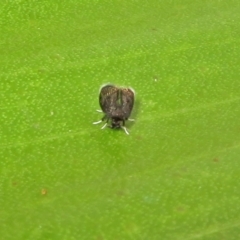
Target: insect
(116, 104)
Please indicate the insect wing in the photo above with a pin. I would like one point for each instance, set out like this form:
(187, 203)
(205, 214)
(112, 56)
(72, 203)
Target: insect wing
(108, 97)
(127, 101)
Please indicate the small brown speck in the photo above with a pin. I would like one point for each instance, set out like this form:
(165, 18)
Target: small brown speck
(44, 191)
(120, 193)
(180, 209)
(14, 183)
(139, 137)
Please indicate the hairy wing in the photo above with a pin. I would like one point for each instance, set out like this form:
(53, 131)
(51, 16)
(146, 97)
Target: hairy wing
(127, 101)
(108, 98)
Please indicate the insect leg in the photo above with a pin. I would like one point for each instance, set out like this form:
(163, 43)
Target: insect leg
(100, 120)
(104, 125)
(97, 122)
(125, 130)
(105, 118)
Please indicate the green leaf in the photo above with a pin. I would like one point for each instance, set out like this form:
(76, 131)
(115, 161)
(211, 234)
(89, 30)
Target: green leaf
(176, 176)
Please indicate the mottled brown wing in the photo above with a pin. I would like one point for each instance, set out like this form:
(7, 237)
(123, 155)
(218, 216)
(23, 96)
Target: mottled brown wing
(108, 98)
(127, 101)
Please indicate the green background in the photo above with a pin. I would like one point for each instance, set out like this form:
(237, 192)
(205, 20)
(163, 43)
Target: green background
(176, 176)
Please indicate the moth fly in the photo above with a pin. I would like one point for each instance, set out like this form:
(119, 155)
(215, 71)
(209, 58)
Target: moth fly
(116, 104)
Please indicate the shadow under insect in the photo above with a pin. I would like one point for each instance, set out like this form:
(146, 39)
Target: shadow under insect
(116, 103)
